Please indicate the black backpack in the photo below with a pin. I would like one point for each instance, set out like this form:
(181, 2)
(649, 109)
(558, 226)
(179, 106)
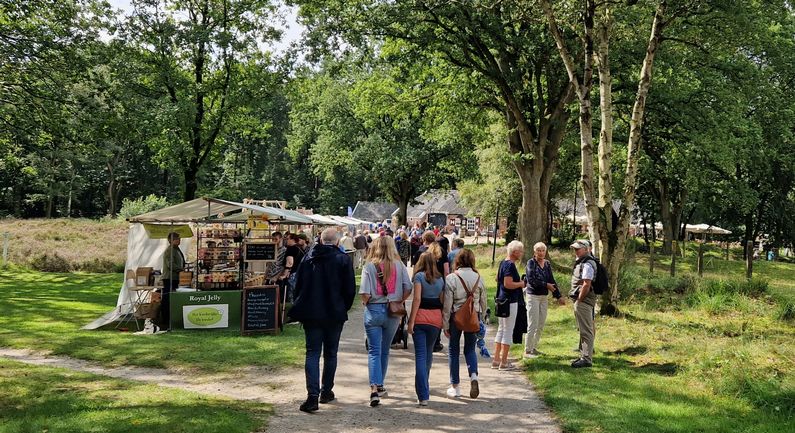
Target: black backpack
(601, 281)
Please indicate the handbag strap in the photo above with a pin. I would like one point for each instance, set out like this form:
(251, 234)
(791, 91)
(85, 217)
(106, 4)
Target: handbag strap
(380, 279)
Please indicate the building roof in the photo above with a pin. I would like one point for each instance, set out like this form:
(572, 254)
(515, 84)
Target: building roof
(436, 201)
(373, 211)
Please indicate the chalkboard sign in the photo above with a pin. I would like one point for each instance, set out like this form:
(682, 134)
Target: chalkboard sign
(260, 251)
(260, 309)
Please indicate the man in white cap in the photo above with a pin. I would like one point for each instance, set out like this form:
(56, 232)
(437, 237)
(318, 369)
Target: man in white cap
(584, 300)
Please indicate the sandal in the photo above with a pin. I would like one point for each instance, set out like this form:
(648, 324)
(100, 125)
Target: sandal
(507, 367)
(495, 365)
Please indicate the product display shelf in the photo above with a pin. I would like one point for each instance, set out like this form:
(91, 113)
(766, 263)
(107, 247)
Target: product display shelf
(219, 259)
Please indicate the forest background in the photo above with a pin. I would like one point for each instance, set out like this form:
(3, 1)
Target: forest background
(173, 100)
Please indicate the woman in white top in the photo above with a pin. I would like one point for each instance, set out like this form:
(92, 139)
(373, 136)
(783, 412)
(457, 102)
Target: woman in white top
(454, 297)
(384, 279)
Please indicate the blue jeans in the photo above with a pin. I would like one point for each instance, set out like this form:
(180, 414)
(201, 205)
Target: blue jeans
(424, 339)
(470, 338)
(327, 339)
(380, 329)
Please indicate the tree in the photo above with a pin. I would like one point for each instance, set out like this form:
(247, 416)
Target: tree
(609, 228)
(194, 50)
(503, 47)
(375, 126)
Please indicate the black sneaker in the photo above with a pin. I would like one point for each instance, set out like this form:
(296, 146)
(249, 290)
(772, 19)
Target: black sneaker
(581, 363)
(438, 348)
(310, 405)
(374, 399)
(382, 391)
(326, 397)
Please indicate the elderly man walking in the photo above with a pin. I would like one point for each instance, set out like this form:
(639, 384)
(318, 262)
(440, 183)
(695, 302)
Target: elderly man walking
(324, 293)
(584, 300)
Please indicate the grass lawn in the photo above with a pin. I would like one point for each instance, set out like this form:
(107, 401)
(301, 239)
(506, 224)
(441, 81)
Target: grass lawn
(686, 357)
(45, 311)
(680, 360)
(44, 399)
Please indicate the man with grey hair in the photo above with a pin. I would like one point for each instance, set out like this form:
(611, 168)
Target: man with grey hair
(584, 298)
(324, 292)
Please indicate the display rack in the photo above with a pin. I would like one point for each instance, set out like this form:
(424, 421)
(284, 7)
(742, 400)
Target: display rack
(219, 264)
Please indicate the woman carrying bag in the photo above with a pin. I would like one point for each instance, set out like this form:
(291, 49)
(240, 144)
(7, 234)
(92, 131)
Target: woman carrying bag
(385, 287)
(425, 321)
(509, 286)
(461, 284)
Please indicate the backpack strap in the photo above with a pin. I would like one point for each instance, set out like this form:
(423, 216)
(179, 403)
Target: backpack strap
(466, 288)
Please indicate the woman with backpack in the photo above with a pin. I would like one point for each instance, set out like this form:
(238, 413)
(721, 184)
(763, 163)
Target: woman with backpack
(509, 286)
(385, 279)
(425, 321)
(460, 285)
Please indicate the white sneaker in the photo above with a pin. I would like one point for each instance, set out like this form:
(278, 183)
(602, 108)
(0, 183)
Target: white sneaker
(454, 392)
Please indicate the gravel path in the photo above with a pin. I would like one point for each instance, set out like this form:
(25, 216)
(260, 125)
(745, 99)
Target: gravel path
(507, 401)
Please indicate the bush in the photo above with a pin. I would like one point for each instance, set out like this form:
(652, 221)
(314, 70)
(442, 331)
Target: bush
(785, 309)
(141, 205)
(754, 287)
(50, 263)
(100, 266)
(716, 296)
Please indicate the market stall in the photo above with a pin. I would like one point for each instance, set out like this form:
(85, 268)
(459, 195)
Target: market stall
(223, 285)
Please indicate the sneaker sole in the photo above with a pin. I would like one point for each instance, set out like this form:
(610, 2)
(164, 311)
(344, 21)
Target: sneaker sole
(474, 391)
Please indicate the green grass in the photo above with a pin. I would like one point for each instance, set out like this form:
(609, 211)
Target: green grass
(689, 355)
(44, 399)
(45, 311)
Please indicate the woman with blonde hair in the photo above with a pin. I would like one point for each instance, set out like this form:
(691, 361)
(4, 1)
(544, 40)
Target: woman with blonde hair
(509, 286)
(425, 321)
(464, 280)
(384, 279)
(540, 282)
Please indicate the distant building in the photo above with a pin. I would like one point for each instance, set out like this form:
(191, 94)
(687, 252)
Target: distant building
(374, 211)
(441, 208)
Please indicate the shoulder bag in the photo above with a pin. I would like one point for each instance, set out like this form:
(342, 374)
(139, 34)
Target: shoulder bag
(502, 308)
(394, 308)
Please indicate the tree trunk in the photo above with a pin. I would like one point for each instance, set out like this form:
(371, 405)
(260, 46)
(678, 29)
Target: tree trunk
(533, 213)
(618, 237)
(403, 205)
(191, 184)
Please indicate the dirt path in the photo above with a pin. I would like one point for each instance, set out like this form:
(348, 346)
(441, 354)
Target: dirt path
(507, 402)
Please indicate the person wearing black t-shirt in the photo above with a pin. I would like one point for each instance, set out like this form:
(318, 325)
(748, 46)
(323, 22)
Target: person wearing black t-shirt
(509, 286)
(292, 258)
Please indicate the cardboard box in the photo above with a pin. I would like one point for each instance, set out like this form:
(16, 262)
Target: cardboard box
(142, 276)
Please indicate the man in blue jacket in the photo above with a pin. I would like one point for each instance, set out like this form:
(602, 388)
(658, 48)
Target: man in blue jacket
(324, 292)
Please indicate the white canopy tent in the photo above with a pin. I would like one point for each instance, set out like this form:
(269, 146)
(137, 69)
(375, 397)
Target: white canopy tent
(146, 241)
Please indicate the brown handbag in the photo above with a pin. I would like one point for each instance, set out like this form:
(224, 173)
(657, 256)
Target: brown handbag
(466, 318)
(394, 308)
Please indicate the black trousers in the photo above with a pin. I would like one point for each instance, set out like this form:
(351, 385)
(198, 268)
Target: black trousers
(165, 303)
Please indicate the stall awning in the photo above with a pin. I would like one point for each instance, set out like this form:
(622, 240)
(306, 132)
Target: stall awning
(706, 228)
(272, 214)
(323, 221)
(190, 211)
(346, 221)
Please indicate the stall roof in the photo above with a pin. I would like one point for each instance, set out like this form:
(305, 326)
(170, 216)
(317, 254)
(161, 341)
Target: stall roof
(273, 214)
(347, 221)
(323, 220)
(190, 211)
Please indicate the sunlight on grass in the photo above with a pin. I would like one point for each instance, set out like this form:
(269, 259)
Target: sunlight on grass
(41, 399)
(45, 311)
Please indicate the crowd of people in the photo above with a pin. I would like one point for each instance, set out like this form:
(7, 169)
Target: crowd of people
(444, 279)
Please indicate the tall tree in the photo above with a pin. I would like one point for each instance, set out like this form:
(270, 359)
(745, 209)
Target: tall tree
(503, 46)
(194, 49)
(609, 228)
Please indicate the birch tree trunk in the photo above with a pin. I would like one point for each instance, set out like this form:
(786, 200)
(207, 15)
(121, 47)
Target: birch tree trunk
(609, 239)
